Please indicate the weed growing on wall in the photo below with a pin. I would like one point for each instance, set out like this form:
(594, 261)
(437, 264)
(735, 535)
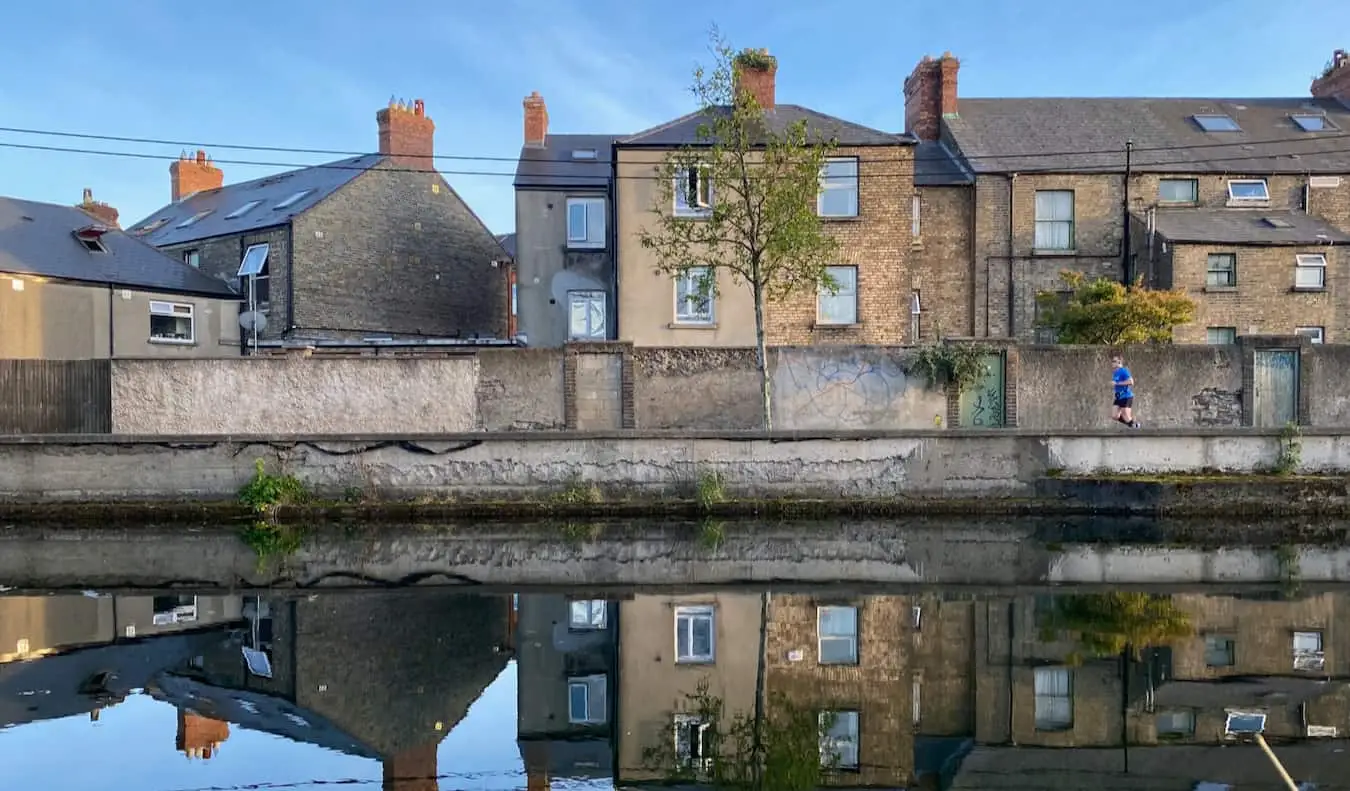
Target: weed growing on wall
(1291, 450)
(579, 492)
(940, 364)
(272, 542)
(710, 491)
(265, 491)
(711, 534)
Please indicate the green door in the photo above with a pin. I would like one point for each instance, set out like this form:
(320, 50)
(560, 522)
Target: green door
(982, 403)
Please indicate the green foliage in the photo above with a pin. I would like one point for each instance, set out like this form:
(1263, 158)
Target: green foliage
(581, 532)
(265, 491)
(1291, 450)
(580, 492)
(1103, 311)
(962, 364)
(711, 534)
(755, 59)
(1105, 624)
(761, 231)
(785, 757)
(272, 542)
(710, 491)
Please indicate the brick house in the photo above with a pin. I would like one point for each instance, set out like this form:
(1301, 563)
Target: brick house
(868, 203)
(1262, 181)
(378, 244)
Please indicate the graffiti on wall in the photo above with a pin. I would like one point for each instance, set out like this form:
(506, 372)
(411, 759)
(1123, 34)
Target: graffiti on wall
(850, 388)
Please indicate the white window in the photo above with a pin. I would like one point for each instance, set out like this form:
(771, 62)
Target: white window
(840, 305)
(192, 258)
(254, 267)
(1221, 270)
(1310, 271)
(694, 296)
(838, 188)
(837, 630)
(691, 741)
(1054, 698)
(171, 322)
(693, 193)
(585, 222)
(1217, 123)
(589, 614)
(1221, 336)
(1175, 723)
(1313, 334)
(1218, 651)
(916, 226)
(292, 200)
(1178, 191)
(1249, 190)
(1054, 220)
(694, 634)
(1307, 642)
(167, 610)
(586, 700)
(839, 739)
(586, 315)
(242, 210)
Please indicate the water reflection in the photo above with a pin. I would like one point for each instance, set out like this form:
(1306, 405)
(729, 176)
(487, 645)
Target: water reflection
(931, 690)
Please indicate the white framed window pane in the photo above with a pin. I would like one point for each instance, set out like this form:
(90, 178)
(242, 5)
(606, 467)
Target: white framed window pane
(915, 209)
(1310, 276)
(1221, 270)
(1314, 334)
(1054, 205)
(693, 192)
(839, 188)
(694, 634)
(841, 306)
(1054, 698)
(837, 630)
(586, 315)
(839, 739)
(1248, 190)
(693, 295)
(595, 221)
(1218, 651)
(576, 221)
(1309, 642)
(588, 614)
(1178, 191)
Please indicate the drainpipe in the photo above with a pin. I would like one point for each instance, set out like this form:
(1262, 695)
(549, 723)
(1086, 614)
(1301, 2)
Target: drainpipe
(1012, 302)
(612, 232)
(290, 279)
(1125, 239)
(112, 345)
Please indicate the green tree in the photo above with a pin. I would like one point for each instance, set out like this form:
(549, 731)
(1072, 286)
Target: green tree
(1103, 311)
(759, 223)
(1109, 624)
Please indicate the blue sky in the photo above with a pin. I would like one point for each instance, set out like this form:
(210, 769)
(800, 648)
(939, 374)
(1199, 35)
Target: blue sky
(312, 73)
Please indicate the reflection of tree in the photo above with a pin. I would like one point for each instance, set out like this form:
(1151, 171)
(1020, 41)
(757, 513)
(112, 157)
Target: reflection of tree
(1109, 624)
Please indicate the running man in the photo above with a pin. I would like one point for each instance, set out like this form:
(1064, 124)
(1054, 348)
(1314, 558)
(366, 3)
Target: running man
(1123, 406)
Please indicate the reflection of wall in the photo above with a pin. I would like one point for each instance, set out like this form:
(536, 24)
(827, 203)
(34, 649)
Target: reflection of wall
(38, 625)
(549, 651)
(943, 653)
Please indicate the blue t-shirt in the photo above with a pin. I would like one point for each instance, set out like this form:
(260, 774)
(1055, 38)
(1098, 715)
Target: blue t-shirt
(1119, 377)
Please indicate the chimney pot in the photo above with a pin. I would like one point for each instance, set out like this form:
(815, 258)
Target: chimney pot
(407, 134)
(88, 195)
(193, 174)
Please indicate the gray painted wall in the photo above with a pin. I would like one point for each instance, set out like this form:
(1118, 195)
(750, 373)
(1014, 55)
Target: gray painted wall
(546, 270)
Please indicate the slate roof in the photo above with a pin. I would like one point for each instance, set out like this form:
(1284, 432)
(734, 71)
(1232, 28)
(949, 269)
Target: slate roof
(321, 181)
(38, 239)
(936, 166)
(684, 130)
(1025, 135)
(508, 243)
(1245, 226)
(553, 167)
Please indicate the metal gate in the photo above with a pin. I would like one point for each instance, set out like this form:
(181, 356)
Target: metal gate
(1275, 388)
(982, 404)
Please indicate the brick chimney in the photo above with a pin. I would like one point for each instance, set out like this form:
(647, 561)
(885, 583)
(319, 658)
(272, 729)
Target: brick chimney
(536, 120)
(189, 175)
(97, 209)
(930, 95)
(1335, 83)
(414, 769)
(406, 134)
(200, 737)
(755, 71)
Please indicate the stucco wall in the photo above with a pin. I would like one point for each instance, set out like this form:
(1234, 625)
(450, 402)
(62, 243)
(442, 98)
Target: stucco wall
(857, 387)
(520, 389)
(696, 388)
(294, 395)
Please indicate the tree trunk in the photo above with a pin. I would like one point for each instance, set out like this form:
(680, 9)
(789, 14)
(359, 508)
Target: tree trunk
(762, 357)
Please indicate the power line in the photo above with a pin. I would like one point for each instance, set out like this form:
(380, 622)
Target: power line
(483, 158)
(1184, 165)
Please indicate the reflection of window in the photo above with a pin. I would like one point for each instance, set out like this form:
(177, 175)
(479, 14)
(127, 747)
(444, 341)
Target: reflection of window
(174, 609)
(694, 634)
(839, 739)
(585, 222)
(588, 614)
(693, 296)
(1218, 651)
(838, 632)
(171, 322)
(1245, 722)
(1054, 699)
(1175, 723)
(586, 700)
(691, 742)
(586, 315)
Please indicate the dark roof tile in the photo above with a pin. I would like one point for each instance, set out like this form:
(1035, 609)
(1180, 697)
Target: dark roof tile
(936, 166)
(1245, 226)
(685, 130)
(554, 167)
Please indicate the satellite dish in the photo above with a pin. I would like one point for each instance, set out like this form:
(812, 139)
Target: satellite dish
(252, 321)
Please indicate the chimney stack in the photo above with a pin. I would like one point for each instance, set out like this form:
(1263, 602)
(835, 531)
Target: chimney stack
(406, 134)
(200, 737)
(1335, 82)
(536, 120)
(414, 769)
(930, 95)
(755, 71)
(98, 210)
(189, 175)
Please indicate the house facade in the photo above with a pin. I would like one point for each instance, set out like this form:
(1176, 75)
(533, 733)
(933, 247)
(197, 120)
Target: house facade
(378, 245)
(74, 287)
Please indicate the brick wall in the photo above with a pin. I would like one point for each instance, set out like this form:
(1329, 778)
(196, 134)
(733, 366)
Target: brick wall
(941, 262)
(220, 257)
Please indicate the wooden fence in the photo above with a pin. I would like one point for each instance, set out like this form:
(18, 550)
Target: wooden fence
(55, 397)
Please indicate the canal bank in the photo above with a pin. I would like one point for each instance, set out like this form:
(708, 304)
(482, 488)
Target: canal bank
(628, 473)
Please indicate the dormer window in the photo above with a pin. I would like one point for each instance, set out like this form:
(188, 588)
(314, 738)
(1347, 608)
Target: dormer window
(1312, 122)
(583, 153)
(242, 210)
(91, 236)
(194, 218)
(1215, 122)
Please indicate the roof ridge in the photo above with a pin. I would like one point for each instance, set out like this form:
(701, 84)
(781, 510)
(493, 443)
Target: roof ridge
(667, 125)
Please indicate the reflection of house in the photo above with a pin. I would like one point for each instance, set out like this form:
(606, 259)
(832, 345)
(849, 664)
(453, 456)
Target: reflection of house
(198, 736)
(565, 666)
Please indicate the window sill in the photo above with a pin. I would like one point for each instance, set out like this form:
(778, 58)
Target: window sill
(691, 325)
(830, 325)
(171, 342)
(1234, 203)
(1220, 289)
(916, 245)
(579, 247)
(1179, 204)
(1054, 253)
(692, 215)
(694, 662)
(1308, 289)
(840, 217)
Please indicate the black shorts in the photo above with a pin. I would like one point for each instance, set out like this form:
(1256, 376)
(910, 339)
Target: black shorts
(1124, 403)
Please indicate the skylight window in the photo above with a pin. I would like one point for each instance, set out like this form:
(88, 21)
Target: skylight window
(151, 226)
(91, 236)
(1278, 222)
(1312, 122)
(1217, 123)
(194, 218)
(292, 200)
(242, 210)
(584, 153)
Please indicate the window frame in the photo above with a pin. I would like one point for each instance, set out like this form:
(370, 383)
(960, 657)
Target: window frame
(1053, 700)
(1232, 336)
(585, 683)
(1051, 222)
(588, 204)
(1327, 124)
(194, 218)
(1231, 271)
(1218, 642)
(690, 614)
(244, 209)
(916, 221)
(1195, 191)
(684, 283)
(170, 310)
(823, 293)
(193, 258)
(822, 637)
(1315, 335)
(702, 185)
(1248, 199)
(292, 199)
(1187, 723)
(1223, 118)
(844, 183)
(590, 296)
(693, 727)
(589, 624)
(1306, 262)
(829, 741)
(1305, 633)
